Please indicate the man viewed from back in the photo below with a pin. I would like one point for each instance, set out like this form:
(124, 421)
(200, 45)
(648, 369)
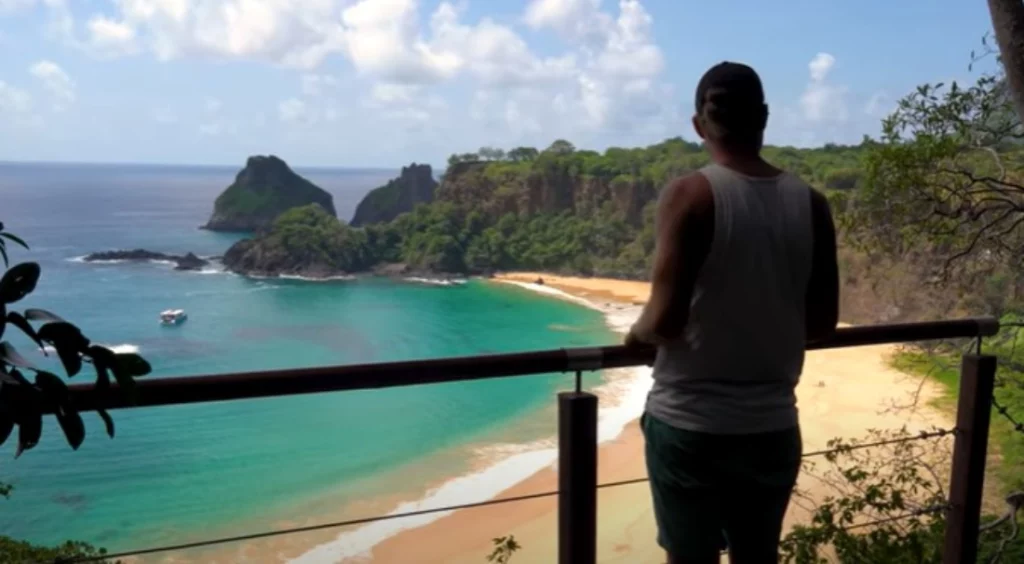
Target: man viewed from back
(744, 276)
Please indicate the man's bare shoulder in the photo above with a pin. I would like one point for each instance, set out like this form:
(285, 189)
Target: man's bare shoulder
(690, 192)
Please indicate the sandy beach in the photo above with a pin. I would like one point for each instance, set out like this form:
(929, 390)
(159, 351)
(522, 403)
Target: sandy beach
(843, 393)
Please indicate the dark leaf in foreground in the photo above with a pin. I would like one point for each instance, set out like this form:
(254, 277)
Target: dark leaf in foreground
(6, 426)
(133, 364)
(15, 239)
(36, 314)
(11, 356)
(103, 356)
(29, 429)
(19, 282)
(53, 388)
(69, 342)
(3, 254)
(19, 321)
(107, 421)
(74, 429)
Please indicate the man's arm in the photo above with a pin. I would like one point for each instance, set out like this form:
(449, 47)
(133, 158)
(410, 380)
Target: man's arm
(822, 300)
(684, 226)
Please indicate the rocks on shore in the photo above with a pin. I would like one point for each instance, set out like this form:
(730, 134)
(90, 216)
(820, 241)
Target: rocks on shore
(188, 261)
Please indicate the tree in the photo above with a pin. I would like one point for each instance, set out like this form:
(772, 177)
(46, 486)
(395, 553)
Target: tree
(491, 153)
(523, 154)
(23, 401)
(947, 174)
(1008, 24)
(561, 147)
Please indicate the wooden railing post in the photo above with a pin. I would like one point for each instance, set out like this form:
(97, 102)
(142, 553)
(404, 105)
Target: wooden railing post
(974, 408)
(577, 478)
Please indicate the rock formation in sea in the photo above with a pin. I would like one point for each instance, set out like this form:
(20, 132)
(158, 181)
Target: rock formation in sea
(188, 261)
(262, 191)
(415, 185)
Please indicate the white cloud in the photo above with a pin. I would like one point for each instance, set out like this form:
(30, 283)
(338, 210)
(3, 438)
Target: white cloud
(56, 81)
(820, 65)
(822, 101)
(111, 36)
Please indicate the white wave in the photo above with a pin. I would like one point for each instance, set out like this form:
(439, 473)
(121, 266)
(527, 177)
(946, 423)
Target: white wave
(436, 281)
(314, 279)
(622, 398)
(81, 259)
(485, 484)
(124, 348)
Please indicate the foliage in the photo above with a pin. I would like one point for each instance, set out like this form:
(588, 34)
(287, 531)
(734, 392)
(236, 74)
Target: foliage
(942, 364)
(887, 506)
(20, 551)
(562, 209)
(504, 547)
(23, 402)
(947, 174)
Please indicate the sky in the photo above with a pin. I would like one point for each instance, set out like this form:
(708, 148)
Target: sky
(382, 83)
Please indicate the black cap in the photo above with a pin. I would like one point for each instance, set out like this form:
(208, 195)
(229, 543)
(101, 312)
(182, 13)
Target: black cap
(734, 87)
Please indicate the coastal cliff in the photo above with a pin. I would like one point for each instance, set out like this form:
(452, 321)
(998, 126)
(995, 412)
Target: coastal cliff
(415, 185)
(559, 210)
(262, 191)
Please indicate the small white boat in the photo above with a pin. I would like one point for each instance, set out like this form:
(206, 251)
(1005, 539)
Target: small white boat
(173, 317)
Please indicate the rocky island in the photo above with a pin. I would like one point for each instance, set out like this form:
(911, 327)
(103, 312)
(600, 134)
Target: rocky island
(188, 261)
(262, 191)
(414, 185)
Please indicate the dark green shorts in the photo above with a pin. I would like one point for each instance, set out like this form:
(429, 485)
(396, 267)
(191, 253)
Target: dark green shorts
(712, 491)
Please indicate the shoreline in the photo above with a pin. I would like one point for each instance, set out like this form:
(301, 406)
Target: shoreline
(857, 383)
(846, 382)
(525, 468)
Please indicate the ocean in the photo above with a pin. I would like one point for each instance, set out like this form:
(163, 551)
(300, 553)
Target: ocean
(187, 473)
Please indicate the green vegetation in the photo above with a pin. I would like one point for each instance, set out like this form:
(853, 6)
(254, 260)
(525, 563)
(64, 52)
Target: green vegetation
(264, 189)
(560, 209)
(23, 401)
(886, 506)
(943, 365)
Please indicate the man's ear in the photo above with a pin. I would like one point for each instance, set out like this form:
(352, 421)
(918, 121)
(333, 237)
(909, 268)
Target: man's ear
(697, 127)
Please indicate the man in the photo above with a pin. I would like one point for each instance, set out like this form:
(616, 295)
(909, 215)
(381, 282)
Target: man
(744, 276)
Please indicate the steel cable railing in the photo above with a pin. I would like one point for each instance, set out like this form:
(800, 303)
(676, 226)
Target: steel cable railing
(497, 501)
(577, 420)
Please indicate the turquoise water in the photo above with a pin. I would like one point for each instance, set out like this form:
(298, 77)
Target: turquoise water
(181, 473)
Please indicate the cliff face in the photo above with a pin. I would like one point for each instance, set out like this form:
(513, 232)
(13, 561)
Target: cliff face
(495, 192)
(415, 185)
(262, 191)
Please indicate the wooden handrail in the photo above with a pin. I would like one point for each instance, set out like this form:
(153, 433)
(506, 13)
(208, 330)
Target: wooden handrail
(247, 385)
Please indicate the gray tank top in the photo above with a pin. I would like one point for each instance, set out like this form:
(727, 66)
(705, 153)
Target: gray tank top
(735, 368)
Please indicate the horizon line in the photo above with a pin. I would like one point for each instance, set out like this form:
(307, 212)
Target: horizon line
(4, 162)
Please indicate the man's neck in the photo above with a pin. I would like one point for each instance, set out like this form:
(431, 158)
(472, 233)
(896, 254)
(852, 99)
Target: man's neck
(747, 163)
